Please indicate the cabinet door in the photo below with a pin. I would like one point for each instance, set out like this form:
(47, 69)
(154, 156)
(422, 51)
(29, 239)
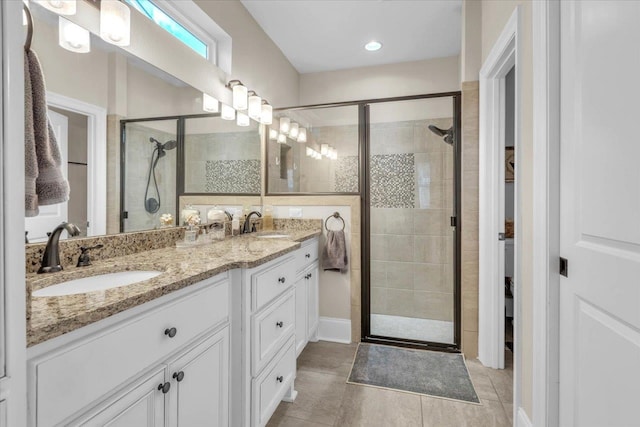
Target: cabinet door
(301, 312)
(3, 413)
(141, 405)
(200, 384)
(313, 299)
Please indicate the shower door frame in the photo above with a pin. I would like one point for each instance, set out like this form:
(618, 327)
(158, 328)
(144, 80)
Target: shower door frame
(365, 187)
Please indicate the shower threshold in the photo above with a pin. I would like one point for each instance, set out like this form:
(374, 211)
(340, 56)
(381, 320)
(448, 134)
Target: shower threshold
(412, 328)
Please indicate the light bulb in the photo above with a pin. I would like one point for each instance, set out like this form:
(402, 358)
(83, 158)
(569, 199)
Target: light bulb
(61, 7)
(302, 135)
(273, 134)
(285, 124)
(243, 119)
(324, 149)
(266, 115)
(115, 22)
(309, 151)
(282, 138)
(210, 104)
(73, 37)
(228, 113)
(293, 130)
(239, 97)
(255, 107)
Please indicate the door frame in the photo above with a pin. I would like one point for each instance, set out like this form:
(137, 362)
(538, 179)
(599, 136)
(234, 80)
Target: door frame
(504, 55)
(96, 158)
(546, 213)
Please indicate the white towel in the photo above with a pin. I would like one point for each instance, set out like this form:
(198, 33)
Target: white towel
(44, 182)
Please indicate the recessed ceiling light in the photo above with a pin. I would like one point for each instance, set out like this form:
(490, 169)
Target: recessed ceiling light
(373, 46)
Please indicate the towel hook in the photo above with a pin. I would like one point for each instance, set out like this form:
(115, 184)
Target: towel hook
(27, 43)
(337, 216)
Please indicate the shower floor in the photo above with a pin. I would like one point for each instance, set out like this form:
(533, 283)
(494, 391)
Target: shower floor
(412, 328)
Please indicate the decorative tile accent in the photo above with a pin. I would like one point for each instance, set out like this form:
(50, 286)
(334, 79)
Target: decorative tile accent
(393, 181)
(233, 176)
(346, 175)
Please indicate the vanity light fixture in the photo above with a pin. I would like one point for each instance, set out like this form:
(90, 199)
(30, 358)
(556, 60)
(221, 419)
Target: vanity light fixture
(228, 113)
(309, 151)
(243, 119)
(254, 109)
(210, 104)
(282, 138)
(293, 130)
(240, 94)
(273, 134)
(285, 125)
(73, 37)
(302, 135)
(115, 22)
(324, 149)
(373, 45)
(61, 7)
(266, 113)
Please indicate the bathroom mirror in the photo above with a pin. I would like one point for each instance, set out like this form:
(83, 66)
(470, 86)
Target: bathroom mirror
(90, 95)
(314, 151)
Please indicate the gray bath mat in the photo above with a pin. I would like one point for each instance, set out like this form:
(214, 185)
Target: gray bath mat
(431, 373)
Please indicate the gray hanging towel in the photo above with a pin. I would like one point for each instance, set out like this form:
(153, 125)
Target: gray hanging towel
(334, 255)
(44, 182)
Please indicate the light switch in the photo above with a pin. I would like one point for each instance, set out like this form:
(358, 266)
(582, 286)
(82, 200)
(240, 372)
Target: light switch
(295, 212)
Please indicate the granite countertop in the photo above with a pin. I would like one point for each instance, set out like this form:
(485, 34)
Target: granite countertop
(49, 317)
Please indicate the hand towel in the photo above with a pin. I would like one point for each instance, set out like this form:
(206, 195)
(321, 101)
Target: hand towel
(50, 186)
(334, 255)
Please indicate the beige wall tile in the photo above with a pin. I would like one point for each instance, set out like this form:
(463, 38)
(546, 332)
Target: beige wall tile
(356, 331)
(429, 222)
(400, 302)
(400, 275)
(378, 300)
(378, 273)
(356, 287)
(470, 344)
(429, 249)
(433, 305)
(430, 277)
(470, 311)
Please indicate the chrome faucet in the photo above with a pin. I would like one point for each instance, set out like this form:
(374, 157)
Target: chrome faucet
(246, 228)
(51, 258)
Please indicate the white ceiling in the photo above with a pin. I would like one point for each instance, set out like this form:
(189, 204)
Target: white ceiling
(323, 35)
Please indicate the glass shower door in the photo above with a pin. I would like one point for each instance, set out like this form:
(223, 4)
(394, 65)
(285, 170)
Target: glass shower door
(149, 173)
(411, 165)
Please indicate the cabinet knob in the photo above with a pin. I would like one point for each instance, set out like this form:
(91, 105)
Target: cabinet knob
(171, 332)
(307, 255)
(178, 376)
(280, 378)
(280, 324)
(164, 387)
(281, 280)
(308, 275)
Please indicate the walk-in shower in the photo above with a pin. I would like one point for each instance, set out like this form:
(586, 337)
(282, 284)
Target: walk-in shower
(152, 204)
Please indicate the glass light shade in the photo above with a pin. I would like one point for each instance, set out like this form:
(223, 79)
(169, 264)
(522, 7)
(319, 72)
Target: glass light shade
(302, 135)
(255, 107)
(282, 138)
(324, 149)
(240, 97)
(115, 22)
(243, 119)
(334, 154)
(266, 115)
(285, 124)
(61, 7)
(293, 130)
(228, 113)
(318, 156)
(273, 134)
(309, 151)
(73, 37)
(210, 104)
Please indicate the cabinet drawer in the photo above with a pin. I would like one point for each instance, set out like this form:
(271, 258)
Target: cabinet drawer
(307, 254)
(270, 330)
(77, 375)
(267, 284)
(270, 387)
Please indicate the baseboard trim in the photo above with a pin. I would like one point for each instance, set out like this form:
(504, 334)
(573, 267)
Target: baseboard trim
(334, 330)
(522, 419)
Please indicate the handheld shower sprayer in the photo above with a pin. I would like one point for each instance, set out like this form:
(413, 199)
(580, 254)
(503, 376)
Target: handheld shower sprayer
(151, 204)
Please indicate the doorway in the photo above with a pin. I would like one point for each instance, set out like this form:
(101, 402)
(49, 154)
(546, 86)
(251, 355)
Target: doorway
(411, 244)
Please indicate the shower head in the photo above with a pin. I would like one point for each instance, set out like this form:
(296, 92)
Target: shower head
(446, 134)
(169, 145)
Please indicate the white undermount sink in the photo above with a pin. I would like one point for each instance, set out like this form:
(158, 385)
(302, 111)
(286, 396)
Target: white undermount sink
(272, 235)
(96, 283)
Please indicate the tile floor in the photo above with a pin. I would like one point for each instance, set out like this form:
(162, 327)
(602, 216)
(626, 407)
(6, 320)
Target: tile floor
(325, 399)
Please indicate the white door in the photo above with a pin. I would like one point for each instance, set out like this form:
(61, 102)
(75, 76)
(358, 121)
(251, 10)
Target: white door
(600, 214)
(52, 215)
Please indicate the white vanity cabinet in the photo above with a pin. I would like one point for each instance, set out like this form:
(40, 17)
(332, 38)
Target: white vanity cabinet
(166, 360)
(306, 294)
(267, 324)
